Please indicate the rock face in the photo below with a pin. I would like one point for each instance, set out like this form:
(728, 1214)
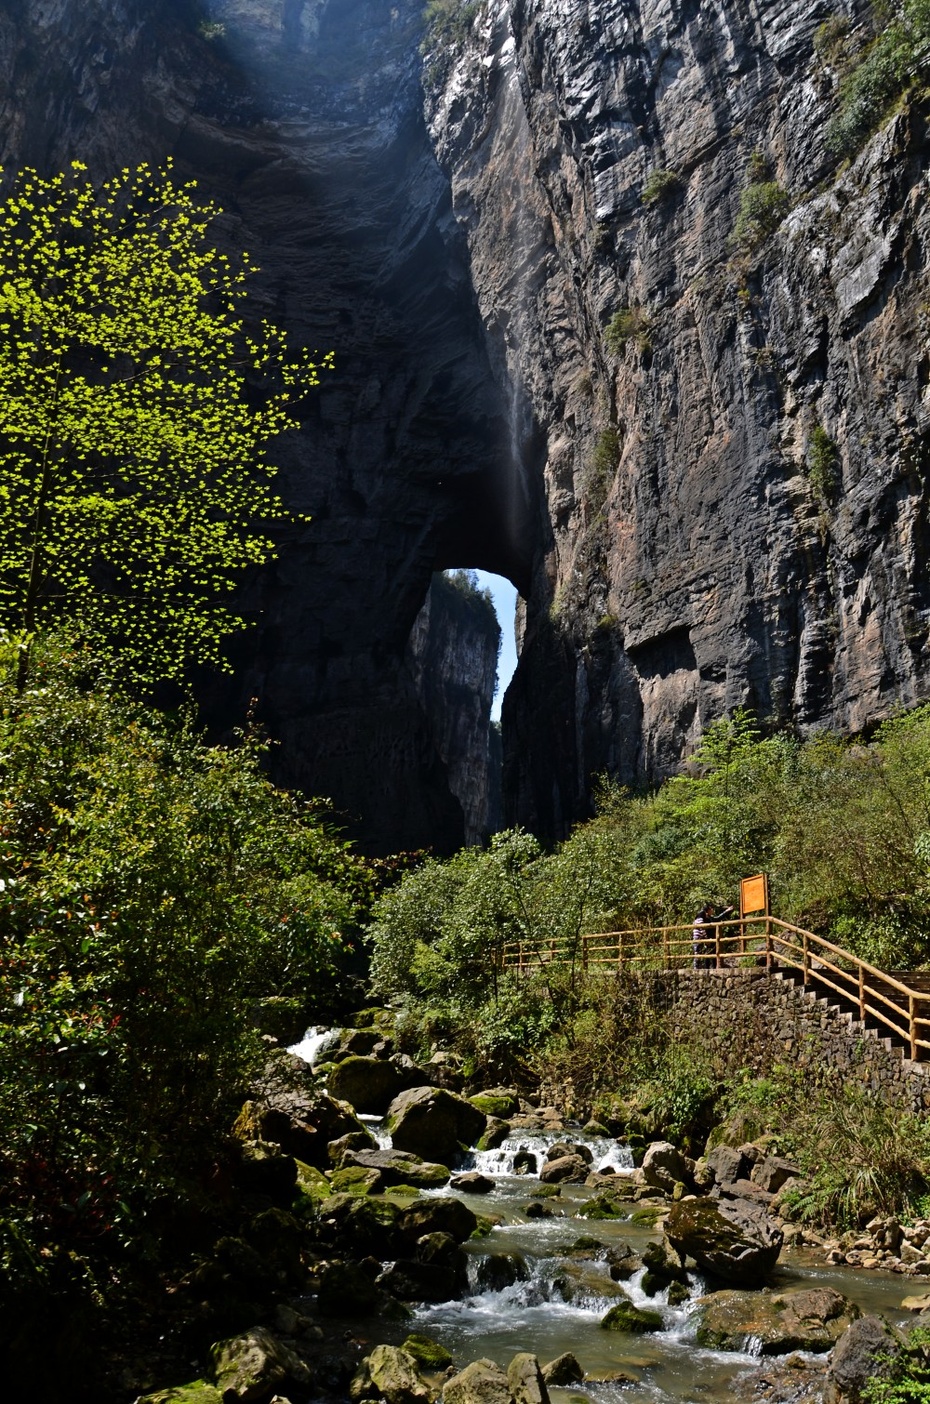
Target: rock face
(726, 503)
(697, 555)
(731, 1239)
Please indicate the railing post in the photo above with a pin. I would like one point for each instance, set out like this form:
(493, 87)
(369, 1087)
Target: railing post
(912, 1012)
(768, 944)
(861, 994)
(806, 959)
(716, 947)
(584, 953)
(620, 952)
(665, 954)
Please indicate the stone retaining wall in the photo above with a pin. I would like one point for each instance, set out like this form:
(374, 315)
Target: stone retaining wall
(755, 1020)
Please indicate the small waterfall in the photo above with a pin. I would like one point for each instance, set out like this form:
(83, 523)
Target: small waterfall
(314, 1042)
(606, 1154)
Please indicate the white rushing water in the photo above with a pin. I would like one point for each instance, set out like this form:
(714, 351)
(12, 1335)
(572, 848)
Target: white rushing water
(314, 1042)
(606, 1154)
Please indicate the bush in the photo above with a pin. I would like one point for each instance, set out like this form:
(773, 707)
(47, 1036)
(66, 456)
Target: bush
(628, 324)
(762, 207)
(450, 20)
(658, 185)
(823, 461)
(896, 60)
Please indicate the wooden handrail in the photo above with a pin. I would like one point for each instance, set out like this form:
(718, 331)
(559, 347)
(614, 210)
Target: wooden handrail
(779, 942)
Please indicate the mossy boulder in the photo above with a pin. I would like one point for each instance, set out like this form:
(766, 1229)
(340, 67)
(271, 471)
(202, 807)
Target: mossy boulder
(731, 1239)
(354, 1179)
(586, 1282)
(312, 1182)
(346, 1290)
(354, 1141)
(495, 1134)
(439, 1215)
(399, 1168)
(500, 1102)
(811, 1319)
(481, 1382)
(262, 1169)
(367, 1084)
(390, 1373)
(256, 1365)
(500, 1270)
(604, 1206)
(433, 1123)
(197, 1392)
(564, 1370)
(360, 1225)
(626, 1317)
(429, 1354)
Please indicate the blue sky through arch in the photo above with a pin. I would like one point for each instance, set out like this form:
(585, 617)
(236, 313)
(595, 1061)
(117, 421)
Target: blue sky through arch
(504, 596)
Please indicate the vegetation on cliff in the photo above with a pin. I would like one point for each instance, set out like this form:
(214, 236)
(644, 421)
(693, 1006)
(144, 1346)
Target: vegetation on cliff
(894, 61)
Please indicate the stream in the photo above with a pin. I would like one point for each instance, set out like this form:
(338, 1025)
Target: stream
(559, 1296)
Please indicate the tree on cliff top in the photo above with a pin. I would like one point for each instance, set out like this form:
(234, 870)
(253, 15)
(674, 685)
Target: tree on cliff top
(135, 410)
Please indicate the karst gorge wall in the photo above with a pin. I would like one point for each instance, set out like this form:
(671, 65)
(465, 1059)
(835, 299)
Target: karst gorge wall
(461, 228)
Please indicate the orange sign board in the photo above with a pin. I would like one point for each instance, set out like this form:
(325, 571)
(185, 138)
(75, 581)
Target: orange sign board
(754, 894)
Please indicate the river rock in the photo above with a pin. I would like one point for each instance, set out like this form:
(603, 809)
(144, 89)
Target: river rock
(263, 1169)
(726, 1164)
(400, 1168)
(773, 1173)
(626, 1317)
(500, 1102)
(563, 1370)
(439, 1215)
(429, 1354)
(731, 1239)
(663, 1266)
(563, 1148)
(525, 1380)
(253, 1366)
(289, 1110)
(567, 1169)
(580, 1282)
(663, 1167)
(865, 1352)
(390, 1373)
(413, 1281)
(481, 1382)
(367, 1084)
(345, 1289)
(524, 1162)
(495, 1134)
(499, 1270)
(429, 1121)
(622, 1261)
(353, 1141)
(197, 1392)
(812, 1319)
(355, 1179)
(361, 1226)
(473, 1183)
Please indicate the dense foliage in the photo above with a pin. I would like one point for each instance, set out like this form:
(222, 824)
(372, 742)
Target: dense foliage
(895, 61)
(135, 411)
(151, 888)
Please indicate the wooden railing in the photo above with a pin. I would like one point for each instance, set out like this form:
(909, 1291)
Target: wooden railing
(898, 1006)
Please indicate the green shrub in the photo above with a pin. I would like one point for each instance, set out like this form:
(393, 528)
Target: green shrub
(659, 184)
(904, 1377)
(450, 20)
(896, 60)
(762, 207)
(628, 324)
(823, 464)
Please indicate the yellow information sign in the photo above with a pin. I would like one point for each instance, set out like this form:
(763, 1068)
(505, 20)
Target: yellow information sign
(754, 895)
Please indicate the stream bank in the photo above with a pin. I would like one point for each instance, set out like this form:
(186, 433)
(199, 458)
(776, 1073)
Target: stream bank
(544, 1241)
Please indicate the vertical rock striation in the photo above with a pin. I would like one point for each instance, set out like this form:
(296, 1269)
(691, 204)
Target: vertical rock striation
(736, 479)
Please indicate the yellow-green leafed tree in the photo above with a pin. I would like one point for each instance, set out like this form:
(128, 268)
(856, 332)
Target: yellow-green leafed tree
(135, 413)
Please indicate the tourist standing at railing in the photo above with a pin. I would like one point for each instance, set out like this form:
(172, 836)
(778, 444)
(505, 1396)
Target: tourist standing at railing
(703, 931)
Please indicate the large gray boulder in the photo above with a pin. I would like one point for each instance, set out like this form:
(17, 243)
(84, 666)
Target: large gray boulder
(368, 1084)
(663, 1167)
(731, 1239)
(481, 1382)
(773, 1173)
(727, 1165)
(389, 1373)
(399, 1168)
(440, 1215)
(433, 1123)
(567, 1169)
(525, 1380)
(864, 1353)
(812, 1319)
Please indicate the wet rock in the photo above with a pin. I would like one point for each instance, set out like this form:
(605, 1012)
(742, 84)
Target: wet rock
(663, 1265)
(501, 1102)
(360, 1225)
(481, 1382)
(812, 1319)
(263, 1169)
(429, 1354)
(563, 1370)
(290, 1110)
(413, 1281)
(354, 1141)
(429, 1121)
(586, 1282)
(604, 1206)
(663, 1167)
(626, 1317)
(390, 1373)
(253, 1366)
(495, 1134)
(367, 1084)
(539, 1210)
(440, 1215)
(857, 1359)
(354, 1179)
(567, 1169)
(473, 1183)
(622, 1261)
(563, 1148)
(197, 1392)
(312, 1182)
(525, 1380)
(399, 1168)
(773, 1173)
(500, 1270)
(595, 1128)
(524, 1162)
(730, 1238)
(345, 1289)
(917, 1303)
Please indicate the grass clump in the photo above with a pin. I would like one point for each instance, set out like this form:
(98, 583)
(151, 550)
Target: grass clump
(762, 207)
(896, 61)
(628, 324)
(658, 185)
(449, 21)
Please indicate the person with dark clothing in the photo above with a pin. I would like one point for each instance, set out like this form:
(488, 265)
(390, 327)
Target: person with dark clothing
(703, 932)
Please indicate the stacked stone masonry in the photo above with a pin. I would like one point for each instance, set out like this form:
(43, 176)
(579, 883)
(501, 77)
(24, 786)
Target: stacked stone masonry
(755, 1020)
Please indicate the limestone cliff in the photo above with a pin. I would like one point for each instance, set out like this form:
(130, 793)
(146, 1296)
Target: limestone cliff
(452, 654)
(723, 501)
(736, 478)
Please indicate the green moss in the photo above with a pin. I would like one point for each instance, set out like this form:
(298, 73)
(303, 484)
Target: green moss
(312, 1182)
(428, 1354)
(626, 1317)
(197, 1392)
